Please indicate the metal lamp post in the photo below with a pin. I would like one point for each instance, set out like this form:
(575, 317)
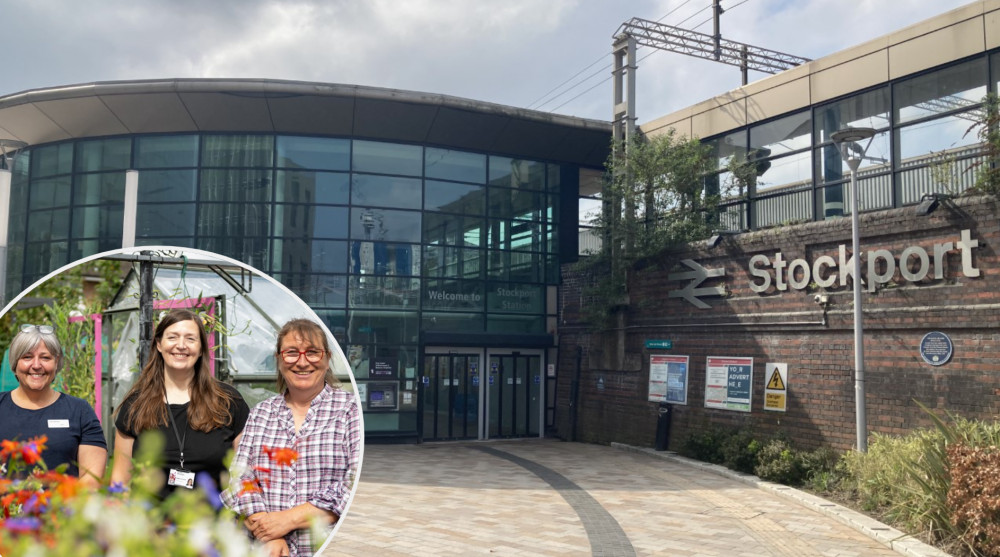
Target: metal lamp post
(848, 140)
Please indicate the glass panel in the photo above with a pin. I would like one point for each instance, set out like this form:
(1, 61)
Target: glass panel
(382, 224)
(41, 259)
(313, 187)
(48, 225)
(384, 292)
(233, 219)
(785, 172)
(783, 135)
(311, 221)
(83, 248)
(516, 173)
(517, 235)
(455, 165)
(237, 150)
(51, 192)
(387, 158)
(465, 199)
(937, 139)
(236, 185)
(515, 324)
(552, 238)
(167, 185)
(183, 242)
(317, 290)
(454, 230)
(51, 160)
(516, 204)
(305, 256)
(946, 90)
(245, 248)
(104, 188)
(98, 222)
(386, 191)
(104, 154)
(314, 152)
(728, 146)
(787, 208)
(169, 151)
(552, 210)
(164, 220)
(457, 295)
(452, 262)
(555, 179)
(515, 298)
(942, 176)
(526, 267)
(867, 110)
(381, 258)
(459, 322)
(382, 327)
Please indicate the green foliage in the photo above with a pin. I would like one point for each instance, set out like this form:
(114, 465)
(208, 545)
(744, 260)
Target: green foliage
(987, 129)
(739, 451)
(655, 198)
(974, 496)
(778, 462)
(705, 445)
(65, 296)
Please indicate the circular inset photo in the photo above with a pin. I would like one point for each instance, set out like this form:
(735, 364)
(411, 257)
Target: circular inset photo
(172, 398)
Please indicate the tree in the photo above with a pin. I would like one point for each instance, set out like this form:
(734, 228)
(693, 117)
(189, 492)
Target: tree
(654, 199)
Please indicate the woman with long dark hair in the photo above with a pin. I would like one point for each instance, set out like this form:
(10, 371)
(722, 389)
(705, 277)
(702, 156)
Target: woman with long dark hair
(199, 417)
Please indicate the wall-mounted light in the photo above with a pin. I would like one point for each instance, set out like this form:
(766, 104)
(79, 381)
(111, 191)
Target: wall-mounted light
(929, 203)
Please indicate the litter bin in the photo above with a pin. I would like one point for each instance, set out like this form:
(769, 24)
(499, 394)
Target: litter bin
(663, 426)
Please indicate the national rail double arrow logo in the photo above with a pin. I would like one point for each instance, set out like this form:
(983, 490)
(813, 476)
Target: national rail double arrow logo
(697, 275)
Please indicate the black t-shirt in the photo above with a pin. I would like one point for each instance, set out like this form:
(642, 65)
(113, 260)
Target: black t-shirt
(203, 452)
(67, 423)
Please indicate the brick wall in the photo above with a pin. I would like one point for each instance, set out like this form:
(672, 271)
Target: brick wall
(788, 326)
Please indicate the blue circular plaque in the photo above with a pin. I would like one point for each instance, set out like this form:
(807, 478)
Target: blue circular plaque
(936, 348)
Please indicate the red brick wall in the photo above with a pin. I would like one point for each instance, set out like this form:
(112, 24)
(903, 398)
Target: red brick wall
(788, 326)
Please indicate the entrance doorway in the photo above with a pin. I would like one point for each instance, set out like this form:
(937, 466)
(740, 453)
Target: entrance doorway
(480, 393)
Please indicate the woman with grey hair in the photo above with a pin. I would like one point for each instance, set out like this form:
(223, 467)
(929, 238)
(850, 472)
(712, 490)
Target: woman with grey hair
(73, 434)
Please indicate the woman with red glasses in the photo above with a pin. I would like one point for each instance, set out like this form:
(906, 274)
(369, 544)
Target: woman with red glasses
(299, 449)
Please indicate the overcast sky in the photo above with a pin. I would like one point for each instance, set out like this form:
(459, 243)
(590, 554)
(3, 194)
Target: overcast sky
(512, 52)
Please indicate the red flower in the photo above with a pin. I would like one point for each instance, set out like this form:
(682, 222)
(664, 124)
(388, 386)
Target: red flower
(32, 449)
(282, 456)
(250, 486)
(8, 448)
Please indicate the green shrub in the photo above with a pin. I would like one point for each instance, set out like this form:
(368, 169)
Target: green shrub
(739, 451)
(705, 445)
(778, 462)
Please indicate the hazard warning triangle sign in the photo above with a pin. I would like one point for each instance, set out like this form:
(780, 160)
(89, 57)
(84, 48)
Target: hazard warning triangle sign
(775, 381)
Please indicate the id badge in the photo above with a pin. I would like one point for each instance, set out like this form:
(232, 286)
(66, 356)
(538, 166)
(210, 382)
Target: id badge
(180, 477)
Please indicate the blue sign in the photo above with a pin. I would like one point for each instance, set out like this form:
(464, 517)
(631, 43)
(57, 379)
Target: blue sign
(936, 348)
(538, 380)
(659, 344)
(475, 380)
(427, 380)
(491, 379)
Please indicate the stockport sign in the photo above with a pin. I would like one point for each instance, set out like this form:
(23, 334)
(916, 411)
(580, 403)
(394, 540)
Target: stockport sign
(914, 263)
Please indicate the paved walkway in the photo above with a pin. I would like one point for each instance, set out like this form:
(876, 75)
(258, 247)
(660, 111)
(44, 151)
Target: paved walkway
(547, 497)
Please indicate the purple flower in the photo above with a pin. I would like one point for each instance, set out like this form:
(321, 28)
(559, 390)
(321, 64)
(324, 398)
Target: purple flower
(117, 487)
(22, 524)
(206, 484)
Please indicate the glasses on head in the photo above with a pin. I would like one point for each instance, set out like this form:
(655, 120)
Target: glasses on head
(292, 355)
(44, 329)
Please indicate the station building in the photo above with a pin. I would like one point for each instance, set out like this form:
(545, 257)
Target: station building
(434, 234)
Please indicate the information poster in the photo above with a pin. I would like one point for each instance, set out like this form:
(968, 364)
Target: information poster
(668, 379)
(728, 383)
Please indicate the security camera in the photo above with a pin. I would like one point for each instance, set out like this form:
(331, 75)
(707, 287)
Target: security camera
(821, 299)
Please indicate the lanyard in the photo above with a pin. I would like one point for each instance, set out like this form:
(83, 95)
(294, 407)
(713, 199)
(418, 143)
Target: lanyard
(180, 440)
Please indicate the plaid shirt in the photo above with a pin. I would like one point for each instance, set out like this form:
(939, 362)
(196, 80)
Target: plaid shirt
(329, 448)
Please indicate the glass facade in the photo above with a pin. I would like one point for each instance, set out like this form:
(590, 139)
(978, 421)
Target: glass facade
(383, 240)
(923, 144)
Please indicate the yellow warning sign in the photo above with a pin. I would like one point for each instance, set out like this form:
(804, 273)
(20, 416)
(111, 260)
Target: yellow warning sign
(775, 381)
(774, 401)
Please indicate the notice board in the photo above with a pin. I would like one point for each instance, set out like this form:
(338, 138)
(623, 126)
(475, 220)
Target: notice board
(728, 383)
(668, 379)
